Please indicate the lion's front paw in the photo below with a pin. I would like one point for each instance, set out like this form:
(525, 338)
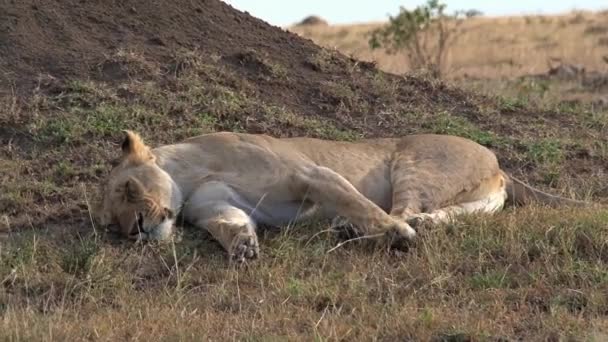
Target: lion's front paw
(404, 230)
(401, 235)
(244, 246)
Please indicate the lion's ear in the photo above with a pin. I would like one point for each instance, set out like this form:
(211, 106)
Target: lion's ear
(134, 190)
(134, 148)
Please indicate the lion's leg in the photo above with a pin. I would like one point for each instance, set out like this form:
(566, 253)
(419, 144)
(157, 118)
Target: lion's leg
(212, 208)
(491, 204)
(329, 189)
(232, 228)
(412, 189)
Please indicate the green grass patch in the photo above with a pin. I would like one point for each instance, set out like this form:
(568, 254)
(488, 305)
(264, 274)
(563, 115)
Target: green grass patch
(546, 151)
(491, 280)
(547, 155)
(444, 123)
(512, 104)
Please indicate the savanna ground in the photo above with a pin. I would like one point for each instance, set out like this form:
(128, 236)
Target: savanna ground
(528, 273)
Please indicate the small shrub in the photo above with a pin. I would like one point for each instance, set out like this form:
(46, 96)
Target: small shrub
(423, 34)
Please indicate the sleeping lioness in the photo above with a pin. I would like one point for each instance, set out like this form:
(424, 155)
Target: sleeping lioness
(227, 183)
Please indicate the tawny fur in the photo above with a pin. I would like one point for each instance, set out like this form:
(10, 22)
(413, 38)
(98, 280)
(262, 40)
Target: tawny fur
(228, 183)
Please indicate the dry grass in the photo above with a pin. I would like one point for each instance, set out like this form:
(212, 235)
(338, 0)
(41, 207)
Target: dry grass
(531, 274)
(490, 47)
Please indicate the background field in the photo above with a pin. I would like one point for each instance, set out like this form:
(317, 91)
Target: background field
(490, 47)
(168, 71)
(488, 51)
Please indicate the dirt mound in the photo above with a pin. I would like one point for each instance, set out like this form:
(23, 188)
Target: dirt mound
(123, 40)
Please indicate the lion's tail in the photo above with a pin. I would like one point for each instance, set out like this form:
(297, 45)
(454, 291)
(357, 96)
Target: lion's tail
(520, 193)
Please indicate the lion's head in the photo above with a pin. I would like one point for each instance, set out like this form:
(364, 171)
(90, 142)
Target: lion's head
(140, 199)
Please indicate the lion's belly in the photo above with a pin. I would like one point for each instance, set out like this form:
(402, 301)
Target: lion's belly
(263, 210)
(376, 187)
(281, 213)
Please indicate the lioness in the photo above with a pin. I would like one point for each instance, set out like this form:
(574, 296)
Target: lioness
(227, 183)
